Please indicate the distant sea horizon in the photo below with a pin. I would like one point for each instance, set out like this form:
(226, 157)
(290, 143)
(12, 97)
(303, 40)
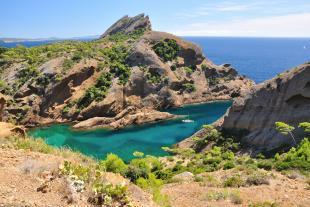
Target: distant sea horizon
(258, 58)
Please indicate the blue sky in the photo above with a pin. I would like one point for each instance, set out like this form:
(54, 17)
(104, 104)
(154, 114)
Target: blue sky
(73, 18)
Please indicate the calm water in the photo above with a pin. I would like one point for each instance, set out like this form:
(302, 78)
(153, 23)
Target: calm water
(147, 138)
(258, 58)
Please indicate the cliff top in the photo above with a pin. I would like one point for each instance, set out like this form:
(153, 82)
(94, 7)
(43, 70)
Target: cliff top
(128, 24)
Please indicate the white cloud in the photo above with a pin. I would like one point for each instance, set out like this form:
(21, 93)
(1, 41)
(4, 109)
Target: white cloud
(212, 8)
(292, 25)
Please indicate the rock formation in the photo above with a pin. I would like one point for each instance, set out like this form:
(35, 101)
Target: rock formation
(128, 24)
(129, 67)
(285, 98)
(2, 105)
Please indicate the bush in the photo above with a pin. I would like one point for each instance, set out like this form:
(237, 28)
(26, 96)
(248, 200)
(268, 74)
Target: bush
(113, 164)
(234, 181)
(121, 70)
(26, 74)
(96, 92)
(235, 198)
(167, 49)
(257, 179)
(173, 67)
(67, 64)
(188, 70)
(78, 171)
(189, 87)
(38, 145)
(265, 164)
(296, 158)
(109, 195)
(228, 165)
(203, 66)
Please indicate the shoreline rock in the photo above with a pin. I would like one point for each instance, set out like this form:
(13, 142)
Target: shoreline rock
(129, 116)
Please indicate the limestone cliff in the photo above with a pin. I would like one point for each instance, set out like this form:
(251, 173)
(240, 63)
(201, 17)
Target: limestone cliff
(284, 98)
(129, 67)
(128, 24)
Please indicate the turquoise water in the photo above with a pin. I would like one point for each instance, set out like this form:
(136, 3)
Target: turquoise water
(148, 138)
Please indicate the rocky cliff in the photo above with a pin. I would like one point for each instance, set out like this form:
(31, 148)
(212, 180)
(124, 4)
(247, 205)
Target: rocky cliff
(130, 68)
(128, 24)
(284, 98)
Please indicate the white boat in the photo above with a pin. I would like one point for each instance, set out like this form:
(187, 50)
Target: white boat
(187, 120)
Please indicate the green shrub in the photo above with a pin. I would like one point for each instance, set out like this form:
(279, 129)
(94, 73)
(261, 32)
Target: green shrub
(96, 92)
(188, 70)
(79, 171)
(228, 165)
(296, 158)
(257, 179)
(203, 66)
(265, 164)
(173, 67)
(113, 164)
(120, 70)
(154, 77)
(26, 74)
(67, 64)
(38, 145)
(167, 49)
(234, 181)
(109, 195)
(189, 87)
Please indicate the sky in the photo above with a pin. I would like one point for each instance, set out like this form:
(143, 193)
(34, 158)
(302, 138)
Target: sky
(77, 18)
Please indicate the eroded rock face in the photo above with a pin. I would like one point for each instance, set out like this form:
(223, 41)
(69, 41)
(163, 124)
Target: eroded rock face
(129, 24)
(284, 98)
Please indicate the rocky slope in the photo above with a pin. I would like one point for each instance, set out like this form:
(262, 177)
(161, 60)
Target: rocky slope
(31, 179)
(284, 98)
(130, 68)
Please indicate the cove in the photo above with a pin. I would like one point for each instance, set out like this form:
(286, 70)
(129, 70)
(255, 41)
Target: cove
(147, 138)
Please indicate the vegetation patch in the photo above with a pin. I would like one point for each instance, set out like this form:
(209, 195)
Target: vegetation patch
(96, 92)
(167, 49)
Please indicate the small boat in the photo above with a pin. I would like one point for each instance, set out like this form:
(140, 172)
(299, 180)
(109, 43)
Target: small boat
(188, 120)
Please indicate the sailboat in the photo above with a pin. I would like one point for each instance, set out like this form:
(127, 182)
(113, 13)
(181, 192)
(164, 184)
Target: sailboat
(188, 120)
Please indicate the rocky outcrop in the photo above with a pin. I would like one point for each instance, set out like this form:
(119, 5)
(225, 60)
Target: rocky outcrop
(129, 116)
(128, 24)
(2, 105)
(9, 129)
(284, 98)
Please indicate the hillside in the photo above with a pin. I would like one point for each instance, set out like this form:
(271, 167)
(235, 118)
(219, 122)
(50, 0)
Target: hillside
(123, 78)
